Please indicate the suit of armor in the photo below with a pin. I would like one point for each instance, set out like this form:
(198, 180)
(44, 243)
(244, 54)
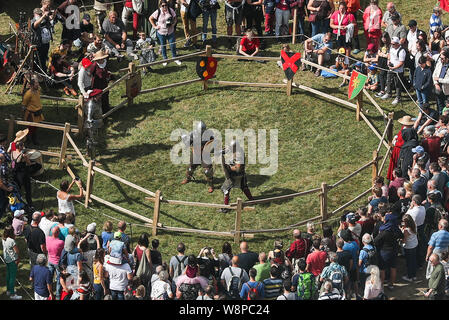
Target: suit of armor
(93, 122)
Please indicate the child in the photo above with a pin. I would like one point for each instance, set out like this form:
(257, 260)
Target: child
(373, 79)
(147, 54)
(67, 282)
(107, 235)
(85, 288)
(342, 64)
(422, 81)
(249, 45)
(19, 222)
(140, 292)
(268, 12)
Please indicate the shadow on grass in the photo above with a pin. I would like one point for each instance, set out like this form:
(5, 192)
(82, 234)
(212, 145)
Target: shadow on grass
(132, 152)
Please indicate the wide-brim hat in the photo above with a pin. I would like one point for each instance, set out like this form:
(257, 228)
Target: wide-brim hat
(20, 135)
(406, 121)
(99, 55)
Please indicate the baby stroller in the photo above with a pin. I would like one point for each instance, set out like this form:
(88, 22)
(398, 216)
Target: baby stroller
(16, 202)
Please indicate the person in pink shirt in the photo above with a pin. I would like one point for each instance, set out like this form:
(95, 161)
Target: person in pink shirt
(54, 248)
(316, 261)
(19, 222)
(372, 23)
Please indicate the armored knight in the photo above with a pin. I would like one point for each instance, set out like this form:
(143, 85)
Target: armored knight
(197, 153)
(101, 7)
(234, 171)
(94, 120)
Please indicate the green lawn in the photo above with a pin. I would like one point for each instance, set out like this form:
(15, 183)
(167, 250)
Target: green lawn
(319, 141)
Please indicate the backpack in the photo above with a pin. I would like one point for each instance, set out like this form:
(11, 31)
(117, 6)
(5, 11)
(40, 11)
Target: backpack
(253, 294)
(189, 291)
(336, 277)
(179, 268)
(235, 284)
(372, 256)
(306, 286)
(63, 259)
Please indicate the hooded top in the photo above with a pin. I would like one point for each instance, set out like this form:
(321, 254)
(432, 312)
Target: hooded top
(405, 161)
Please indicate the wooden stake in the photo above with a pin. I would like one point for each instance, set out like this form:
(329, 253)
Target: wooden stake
(11, 129)
(359, 106)
(64, 144)
(323, 202)
(295, 23)
(375, 165)
(89, 182)
(238, 220)
(390, 129)
(132, 70)
(289, 87)
(157, 210)
(80, 112)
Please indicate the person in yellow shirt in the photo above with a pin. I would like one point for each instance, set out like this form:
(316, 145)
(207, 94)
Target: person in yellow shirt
(33, 108)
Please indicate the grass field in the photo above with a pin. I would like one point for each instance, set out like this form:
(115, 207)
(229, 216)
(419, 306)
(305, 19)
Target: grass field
(319, 141)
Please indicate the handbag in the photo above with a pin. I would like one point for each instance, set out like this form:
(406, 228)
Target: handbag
(138, 6)
(144, 271)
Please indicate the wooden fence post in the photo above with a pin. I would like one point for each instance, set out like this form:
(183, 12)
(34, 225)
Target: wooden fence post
(89, 182)
(64, 144)
(11, 128)
(157, 210)
(295, 23)
(80, 112)
(238, 220)
(323, 202)
(289, 87)
(375, 165)
(132, 70)
(390, 130)
(359, 106)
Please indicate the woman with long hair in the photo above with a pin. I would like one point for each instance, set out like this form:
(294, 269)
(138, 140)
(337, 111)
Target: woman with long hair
(142, 251)
(373, 284)
(11, 257)
(436, 42)
(382, 62)
(100, 287)
(410, 243)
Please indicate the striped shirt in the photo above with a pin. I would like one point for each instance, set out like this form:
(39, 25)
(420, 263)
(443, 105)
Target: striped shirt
(435, 22)
(273, 288)
(439, 240)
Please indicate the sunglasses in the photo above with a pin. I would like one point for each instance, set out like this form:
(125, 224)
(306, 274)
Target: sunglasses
(164, 5)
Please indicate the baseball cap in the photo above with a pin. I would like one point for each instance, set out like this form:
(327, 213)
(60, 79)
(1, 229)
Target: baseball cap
(351, 218)
(412, 23)
(371, 47)
(395, 40)
(18, 213)
(86, 17)
(418, 149)
(91, 227)
(117, 235)
(372, 67)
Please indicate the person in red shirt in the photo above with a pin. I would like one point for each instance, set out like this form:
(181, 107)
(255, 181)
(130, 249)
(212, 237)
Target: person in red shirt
(316, 261)
(249, 45)
(298, 249)
(431, 143)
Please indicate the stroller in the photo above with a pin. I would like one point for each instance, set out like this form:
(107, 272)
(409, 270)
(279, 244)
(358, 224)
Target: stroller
(16, 202)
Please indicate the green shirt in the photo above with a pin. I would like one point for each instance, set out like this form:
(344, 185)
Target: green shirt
(437, 280)
(263, 271)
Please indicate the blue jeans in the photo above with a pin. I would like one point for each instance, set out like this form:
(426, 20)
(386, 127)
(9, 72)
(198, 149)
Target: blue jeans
(422, 96)
(282, 17)
(410, 259)
(441, 101)
(117, 295)
(163, 41)
(317, 27)
(213, 21)
(54, 269)
(99, 292)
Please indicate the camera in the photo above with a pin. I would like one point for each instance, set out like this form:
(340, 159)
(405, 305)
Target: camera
(390, 65)
(169, 22)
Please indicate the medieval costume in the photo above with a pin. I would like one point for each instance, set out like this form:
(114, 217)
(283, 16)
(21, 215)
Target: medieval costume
(94, 120)
(100, 78)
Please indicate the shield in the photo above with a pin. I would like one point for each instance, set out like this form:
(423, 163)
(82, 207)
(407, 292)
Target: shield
(290, 63)
(206, 67)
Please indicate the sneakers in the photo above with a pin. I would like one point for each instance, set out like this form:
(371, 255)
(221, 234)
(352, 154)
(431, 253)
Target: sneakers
(396, 101)
(385, 96)
(164, 63)
(67, 91)
(379, 94)
(15, 297)
(187, 44)
(73, 92)
(178, 62)
(405, 278)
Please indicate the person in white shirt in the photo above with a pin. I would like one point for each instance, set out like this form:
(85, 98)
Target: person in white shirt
(65, 199)
(396, 63)
(417, 211)
(161, 288)
(47, 222)
(118, 276)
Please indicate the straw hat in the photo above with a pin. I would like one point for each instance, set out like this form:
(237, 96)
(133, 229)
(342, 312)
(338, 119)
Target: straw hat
(99, 55)
(406, 121)
(20, 135)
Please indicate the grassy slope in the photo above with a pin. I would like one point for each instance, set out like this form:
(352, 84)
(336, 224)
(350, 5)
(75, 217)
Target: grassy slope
(318, 142)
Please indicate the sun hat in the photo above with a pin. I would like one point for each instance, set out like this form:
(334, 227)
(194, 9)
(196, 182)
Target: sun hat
(406, 121)
(20, 135)
(99, 55)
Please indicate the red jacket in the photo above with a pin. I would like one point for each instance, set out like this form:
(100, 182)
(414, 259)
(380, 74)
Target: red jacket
(432, 146)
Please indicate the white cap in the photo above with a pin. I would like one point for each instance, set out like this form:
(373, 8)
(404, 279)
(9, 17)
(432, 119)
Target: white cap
(18, 213)
(395, 40)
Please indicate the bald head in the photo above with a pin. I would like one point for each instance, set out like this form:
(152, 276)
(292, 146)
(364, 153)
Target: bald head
(434, 259)
(390, 6)
(244, 246)
(262, 257)
(296, 234)
(443, 224)
(235, 261)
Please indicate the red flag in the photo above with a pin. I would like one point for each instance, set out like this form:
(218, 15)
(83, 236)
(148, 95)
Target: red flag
(444, 4)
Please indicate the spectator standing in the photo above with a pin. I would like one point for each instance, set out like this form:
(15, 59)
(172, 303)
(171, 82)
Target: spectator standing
(373, 285)
(35, 239)
(233, 287)
(282, 14)
(367, 257)
(268, 12)
(353, 8)
(410, 244)
(319, 15)
(54, 248)
(372, 23)
(99, 283)
(156, 256)
(436, 42)
(329, 274)
(343, 24)
(47, 221)
(422, 81)
(435, 20)
(41, 27)
(287, 294)
(247, 258)
(12, 260)
(164, 21)
(40, 275)
(391, 10)
(233, 16)
(33, 108)
(437, 280)
(71, 29)
(438, 243)
(304, 282)
(253, 289)
(329, 292)
(298, 249)
(107, 235)
(65, 199)
(273, 285)
(178, 263)
(396, 63)
(127, 11)
(119, 276)
(188, 23)
(441, 79)
(18, 222)
(352, 247)
(432, 145)
(382, 63)
(210, 9)
(161, 289)
(262, 268)
(316, 259)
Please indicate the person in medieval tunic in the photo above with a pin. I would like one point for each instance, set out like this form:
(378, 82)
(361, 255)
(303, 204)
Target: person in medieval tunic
(33, 108)
(100, 78)
(234, 171)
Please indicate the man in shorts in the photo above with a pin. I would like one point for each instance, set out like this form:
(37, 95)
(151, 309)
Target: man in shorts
(233, 16)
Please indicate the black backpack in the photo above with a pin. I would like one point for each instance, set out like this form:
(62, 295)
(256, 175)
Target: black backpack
(178, 269)
(189, 291)
(372, 256)
(235, 284)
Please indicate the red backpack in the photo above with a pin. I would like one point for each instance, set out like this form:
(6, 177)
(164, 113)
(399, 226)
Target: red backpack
(252, 294)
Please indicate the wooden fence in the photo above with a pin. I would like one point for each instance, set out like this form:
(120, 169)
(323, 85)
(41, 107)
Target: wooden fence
(132, 78)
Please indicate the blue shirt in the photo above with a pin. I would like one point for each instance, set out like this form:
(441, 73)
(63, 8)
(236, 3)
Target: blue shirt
(375, 202)
(253, 284)
(73, 258)
(439, 240)
(106, 236)
(41, 276)
(364, 257)
(353, 248)
(319, 42)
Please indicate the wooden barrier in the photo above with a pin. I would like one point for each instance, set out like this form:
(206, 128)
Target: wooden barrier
(323, 201)
(80, 116)
(89, 183)
(248, 84)
(172, 85)
(59, 98)
(78, 152)
(157, 209)
(120, 105)
(255, 58)
(64, 144)
(238, 220)
(43, 124)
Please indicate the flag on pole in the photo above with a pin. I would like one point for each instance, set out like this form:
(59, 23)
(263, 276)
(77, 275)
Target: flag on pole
(356, 84)
(444, 4)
